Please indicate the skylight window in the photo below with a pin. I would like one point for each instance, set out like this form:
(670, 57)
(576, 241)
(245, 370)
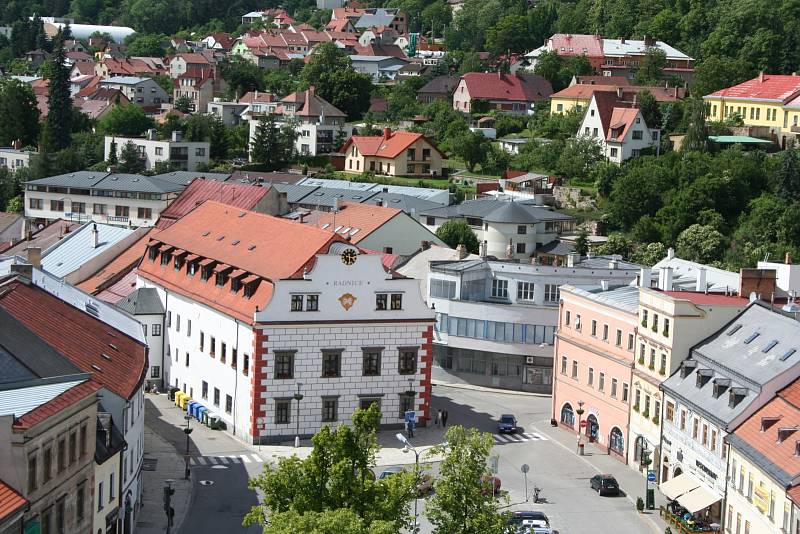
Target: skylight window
(235, 242)
(251, 247)
(206, 234)
(354, 231)
(345, 230)
(337, 228)
(325, 226)
(788, 354)
(749, 339)
(220, 238)
(769, 346)
(734, 329)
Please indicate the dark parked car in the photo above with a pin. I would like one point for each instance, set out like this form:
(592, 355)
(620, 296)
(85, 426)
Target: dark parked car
(508, 423)
(604, 484)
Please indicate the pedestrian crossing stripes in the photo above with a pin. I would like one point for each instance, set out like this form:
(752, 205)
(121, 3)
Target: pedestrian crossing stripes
(227, 459)
(518, 438)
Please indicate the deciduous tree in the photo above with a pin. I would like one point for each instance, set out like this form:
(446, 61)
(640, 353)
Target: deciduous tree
(457, 232)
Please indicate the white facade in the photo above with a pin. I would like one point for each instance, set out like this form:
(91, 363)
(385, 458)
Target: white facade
(230, 113)
(313, 137)
(13, 159)
(187, 155)
(637, 137)
(402, 234)
(143, 92)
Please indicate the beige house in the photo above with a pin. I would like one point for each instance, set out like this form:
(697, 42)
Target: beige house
(393, 154)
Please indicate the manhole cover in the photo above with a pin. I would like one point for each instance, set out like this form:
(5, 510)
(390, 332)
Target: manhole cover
(149, 464)
(206, 482)
(217, 466)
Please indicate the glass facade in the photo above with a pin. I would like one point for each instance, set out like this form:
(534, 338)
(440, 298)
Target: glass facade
(494, 330)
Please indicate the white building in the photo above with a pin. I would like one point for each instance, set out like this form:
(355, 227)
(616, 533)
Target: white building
(118, 199)
(13, 159)
(379, 67)
(84, 31)
(247, 327)
(146, 307)
(495, 320)
(724, 381)
(230, 113)
(620, 131)
(144, 92)
(179, 154)
(507, 229)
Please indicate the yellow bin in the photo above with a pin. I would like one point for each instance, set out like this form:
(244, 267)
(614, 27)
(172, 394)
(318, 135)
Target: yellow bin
(178, 396)
(184, 400)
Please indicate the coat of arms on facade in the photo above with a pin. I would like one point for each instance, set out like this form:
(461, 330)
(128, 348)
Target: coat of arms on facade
(347, 300)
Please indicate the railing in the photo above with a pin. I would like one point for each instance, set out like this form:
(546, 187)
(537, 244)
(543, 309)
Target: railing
(113, 218)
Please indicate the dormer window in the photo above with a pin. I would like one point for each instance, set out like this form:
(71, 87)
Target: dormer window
(165, 258)
(720, 385)
(191, 269)
(152, 253)
(250, 288)
(686, 367)
(703, 376)
(178, 263)
(768, 422)
(785, 432)
(235, 285)
(221, 279)
(735, 396)
(797, 448)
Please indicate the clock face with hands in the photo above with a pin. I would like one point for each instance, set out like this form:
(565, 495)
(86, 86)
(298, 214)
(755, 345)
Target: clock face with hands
(349, 256)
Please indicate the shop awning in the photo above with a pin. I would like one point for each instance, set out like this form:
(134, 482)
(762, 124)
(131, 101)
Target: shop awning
(675, 487)
(697, 499)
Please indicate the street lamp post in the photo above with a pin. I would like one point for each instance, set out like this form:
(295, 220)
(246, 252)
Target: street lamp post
(298, 397)
(579, 411)
(187, 431)
(408, 447)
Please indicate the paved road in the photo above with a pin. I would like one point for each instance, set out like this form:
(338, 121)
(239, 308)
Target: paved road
(571, 506)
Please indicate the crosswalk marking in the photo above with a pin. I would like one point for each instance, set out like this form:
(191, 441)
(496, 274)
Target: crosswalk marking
(226, 459)
(501, 439)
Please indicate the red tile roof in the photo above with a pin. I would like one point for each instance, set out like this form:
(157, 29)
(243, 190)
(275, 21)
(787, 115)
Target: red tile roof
(621, 121)
(766, 442)
(278, 249)
(237, 195)
(119, 289)
(379, 145)
(498, 86)
(79, 337)
(585, 92)
(708, 299)
(365, 218)
(194, 58)
(577, 45)
(56, 404)
(620, 81)
(11, 501)
(776, 87)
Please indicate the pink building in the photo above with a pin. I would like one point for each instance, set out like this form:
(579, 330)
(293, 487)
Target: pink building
(594, 351)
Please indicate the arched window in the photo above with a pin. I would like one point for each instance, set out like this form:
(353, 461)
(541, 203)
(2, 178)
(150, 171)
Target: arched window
(568, 415)
(616, 441)
(677, 472)
(592, 427)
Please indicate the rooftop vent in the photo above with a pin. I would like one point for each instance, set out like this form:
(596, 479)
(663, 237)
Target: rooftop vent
(720, 385)
(242, 214)
(251, 247)
(235, 242)
(769, 346)
(92, 309)
(767, 422)
(220, 238)
(106, 356)
(206, 234)
(749, 339)
(97, 368)
(113, 346)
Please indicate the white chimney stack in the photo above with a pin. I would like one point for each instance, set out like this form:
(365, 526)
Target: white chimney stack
(670, 253)
(604, 285)
(95, 236)
(700, 283)
(482, 252)
(665, 279)
(644, 277)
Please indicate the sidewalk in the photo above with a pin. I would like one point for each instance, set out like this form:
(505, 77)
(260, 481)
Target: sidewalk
(630, 480)
(484, 389)
(166, 464)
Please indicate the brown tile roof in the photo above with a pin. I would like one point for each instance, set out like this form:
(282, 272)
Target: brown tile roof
(194, 58)
(80, 337)
(360, 220)
(498, 86)
(236, 195)
(11, 501)
(585, 92)
(312, 105)
(56, 404)
(44, 238)
(278, 249)
(117, 268)
(621, 121)
(119, 289)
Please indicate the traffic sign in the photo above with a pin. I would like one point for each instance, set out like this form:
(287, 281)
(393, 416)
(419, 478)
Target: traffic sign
(651, 476)
(525, 468)
(584, 424)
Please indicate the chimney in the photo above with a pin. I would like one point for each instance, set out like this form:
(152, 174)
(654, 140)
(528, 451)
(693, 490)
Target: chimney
(302, 217)
(95, 236)
(675, 91)
(613, 264)
(387, 133)
(619, 92)
(17, 144)
(700, 283)
(758, 281)
(622, 40)
(665, 279)
(311, 89)
(649, 41)
(177, 136)
(644, 277)
(152, 134)
(35, 256)
(787, 259)
(761, 76)
(425, 245)
(604, 285)
(573, 259)
(670, 253)
(462, 251)
(482, 249)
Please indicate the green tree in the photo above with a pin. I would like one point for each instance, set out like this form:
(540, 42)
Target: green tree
(183, 104)
(273, 144)
(471, 147)
(577, 158)
(456, 232)
(717, 72)
(702, 244)
(15, 204)
(604, 174)
(329, 70)
(337, 481)
(128, 121)
(510, 34)
(582, 243)
(145, 45)
(650, 108)
(787, 175)
(19, 115)
(696, 136)
(59, 105)
(652, 68)
(129, 160)
(340, 521)
(210, 128)
(649, 254)
(242, 76)
(463, 500)
(617, 243)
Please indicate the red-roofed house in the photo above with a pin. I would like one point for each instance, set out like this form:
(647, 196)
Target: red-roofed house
(183, 63)
(769, 102)
(618, 128)
(394, 154)
(198, 86)
(285, 304)
(579, 95)
(512, 93)
(12, 505)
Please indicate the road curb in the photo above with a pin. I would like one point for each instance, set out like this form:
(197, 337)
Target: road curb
(484, 389)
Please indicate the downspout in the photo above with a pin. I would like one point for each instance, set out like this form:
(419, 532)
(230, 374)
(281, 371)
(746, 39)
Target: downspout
(236, 377)
(722, 514)
(165, 386)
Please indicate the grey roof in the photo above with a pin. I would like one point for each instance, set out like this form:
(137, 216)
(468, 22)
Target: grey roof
(440, 84)
(124, 80)
(85, 179)
(143, 301)
(294, 192)
(604, 262)
(379, 18)
(25, 397)
(737, 352)
(625, 298)
(185, 177)
(557, 248)
(404, 202)
(461, 266)
(23, 354)
(498, 210)
(76, 249)
(137, 183)
(326, 196)
(684, 275)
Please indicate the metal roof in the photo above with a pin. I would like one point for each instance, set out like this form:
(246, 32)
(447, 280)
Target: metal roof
(684, 275)
(744, 139)
(440, 196)
(82, 179)
(137, 183)
(21, 400)
(185, 177)
(143, 301)
(327, 196)
(294, 192)
(76, 248)
(498, 210)
(123, 80)
(625, 298)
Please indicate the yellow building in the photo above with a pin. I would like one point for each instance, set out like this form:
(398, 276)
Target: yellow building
(770, 102)
(579, 95)
(393, 154)
(763, 468)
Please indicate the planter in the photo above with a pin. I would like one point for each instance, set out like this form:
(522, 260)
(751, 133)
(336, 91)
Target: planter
(635, 407)
(654, 328)
(662, 371)
(652, 367)
(644, 323)
(665, 333)
(646, 415)
(656, 420)
(641, 361)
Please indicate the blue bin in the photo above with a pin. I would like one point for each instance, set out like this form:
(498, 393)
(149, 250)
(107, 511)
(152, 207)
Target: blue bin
(196, 410)
(201, 413)
(189, 406)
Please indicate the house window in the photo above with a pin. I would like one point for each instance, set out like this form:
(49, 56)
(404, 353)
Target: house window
(522, 229)
(575, 369)
(695, 428)
(297, 302)
(618, 339)
(381, 301)
(200, 152)
(445, 289)
(670, 412)
(397, 301)
(430, 221)
(630, 342)
(47, 465)
(365, 402)
(62, 455)
(624, 392)
(525, 291)
(407, 361)
(78, 207)
(284, 365)
(187, 358)
(216, 396)
(601, 382)
(213, 347)
(563, 365)
(204, 390)
(520, 248)
(38, 204)
(223, 351)
(406, 404)
(282, 411)
(499, 289)
(122, 211)
(331, 363)
(605, 332)
(614, 152)
(372, 362)
(144, 213)
(80, 502)
(73, 448)
(234, 358)
(228, 404)
(567, 317)
(594, 328)
(312, 302)
(56, 205)
(330, 409)
(590, 380)
(614, 388)
(246, 365)
(82, 441)
(32, 482)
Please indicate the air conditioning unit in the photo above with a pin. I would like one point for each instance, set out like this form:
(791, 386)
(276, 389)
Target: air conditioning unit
(529, 360)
